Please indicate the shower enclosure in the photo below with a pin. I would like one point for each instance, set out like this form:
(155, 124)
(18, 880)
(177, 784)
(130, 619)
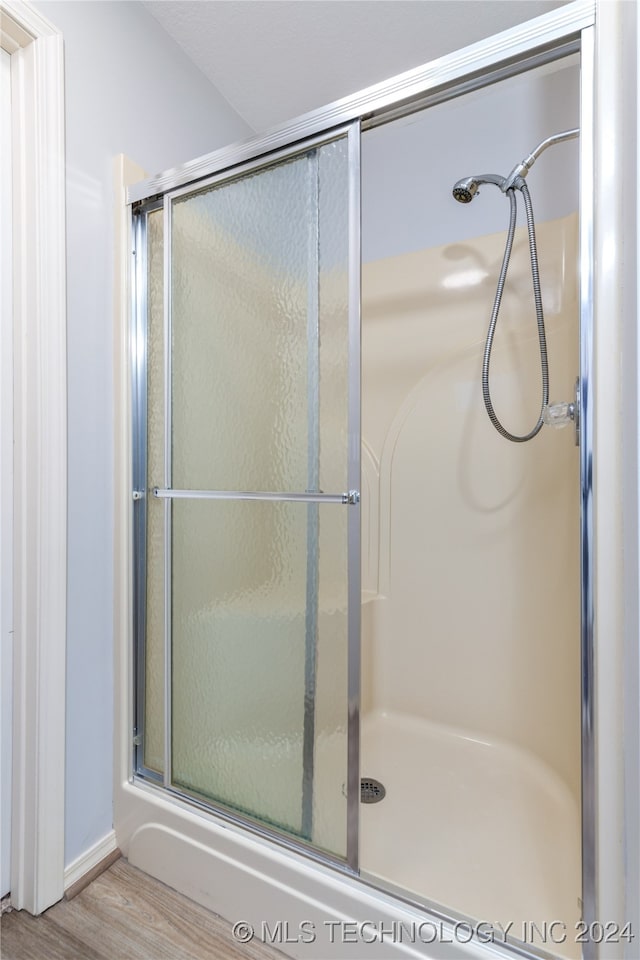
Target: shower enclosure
(343, 577)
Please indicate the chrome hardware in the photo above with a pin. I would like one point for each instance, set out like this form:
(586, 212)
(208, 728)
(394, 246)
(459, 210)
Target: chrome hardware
(559, 414)
(170, 494)
(351, 497)
(562, 414)
(138, 494)
(522, 169)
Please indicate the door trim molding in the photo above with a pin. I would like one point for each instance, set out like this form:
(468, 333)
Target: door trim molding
(40, 457)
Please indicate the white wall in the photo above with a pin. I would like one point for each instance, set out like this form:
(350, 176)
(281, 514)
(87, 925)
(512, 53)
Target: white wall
(131, 90)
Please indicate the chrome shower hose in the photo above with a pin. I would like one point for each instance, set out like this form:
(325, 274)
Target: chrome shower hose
(535, 276)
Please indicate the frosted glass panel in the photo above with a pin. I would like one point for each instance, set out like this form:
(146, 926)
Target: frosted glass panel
(154, 645)
(258, 289)
(241, 633)
(259, 300)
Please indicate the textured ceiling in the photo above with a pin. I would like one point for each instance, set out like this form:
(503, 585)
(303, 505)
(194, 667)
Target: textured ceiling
(276, 59)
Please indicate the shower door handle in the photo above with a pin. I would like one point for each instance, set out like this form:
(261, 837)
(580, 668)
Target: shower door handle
(351, 497)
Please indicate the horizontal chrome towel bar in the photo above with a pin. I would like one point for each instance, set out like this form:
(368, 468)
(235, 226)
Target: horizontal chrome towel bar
(352, 497)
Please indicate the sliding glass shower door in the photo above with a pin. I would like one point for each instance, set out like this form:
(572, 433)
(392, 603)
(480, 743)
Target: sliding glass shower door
(247, 390)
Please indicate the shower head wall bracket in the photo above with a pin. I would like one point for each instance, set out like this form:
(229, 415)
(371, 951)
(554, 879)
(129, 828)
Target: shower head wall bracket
(560, 415)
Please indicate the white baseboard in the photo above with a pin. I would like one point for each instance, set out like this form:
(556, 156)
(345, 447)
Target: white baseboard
(78, 868)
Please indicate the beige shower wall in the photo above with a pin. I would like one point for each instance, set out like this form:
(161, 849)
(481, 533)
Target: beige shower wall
(470, 542)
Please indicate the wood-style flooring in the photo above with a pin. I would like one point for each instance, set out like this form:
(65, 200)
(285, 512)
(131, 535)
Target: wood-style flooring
(124, 915)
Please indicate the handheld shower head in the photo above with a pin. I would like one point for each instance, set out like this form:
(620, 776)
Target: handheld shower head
(465, 190)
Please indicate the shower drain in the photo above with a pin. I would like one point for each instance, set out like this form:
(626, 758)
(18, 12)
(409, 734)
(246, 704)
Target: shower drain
(371, 791)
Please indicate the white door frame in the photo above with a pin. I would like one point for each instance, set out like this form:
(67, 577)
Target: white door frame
(40, 456)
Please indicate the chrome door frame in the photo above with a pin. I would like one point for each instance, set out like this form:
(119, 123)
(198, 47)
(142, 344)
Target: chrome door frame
(587, 540)
(508, 54)
(350, 498)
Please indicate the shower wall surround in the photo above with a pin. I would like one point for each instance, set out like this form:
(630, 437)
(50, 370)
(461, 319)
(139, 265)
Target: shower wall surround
(470, 542)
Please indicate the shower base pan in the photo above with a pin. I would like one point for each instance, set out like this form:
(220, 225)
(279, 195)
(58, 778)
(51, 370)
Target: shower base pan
(481, 827)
